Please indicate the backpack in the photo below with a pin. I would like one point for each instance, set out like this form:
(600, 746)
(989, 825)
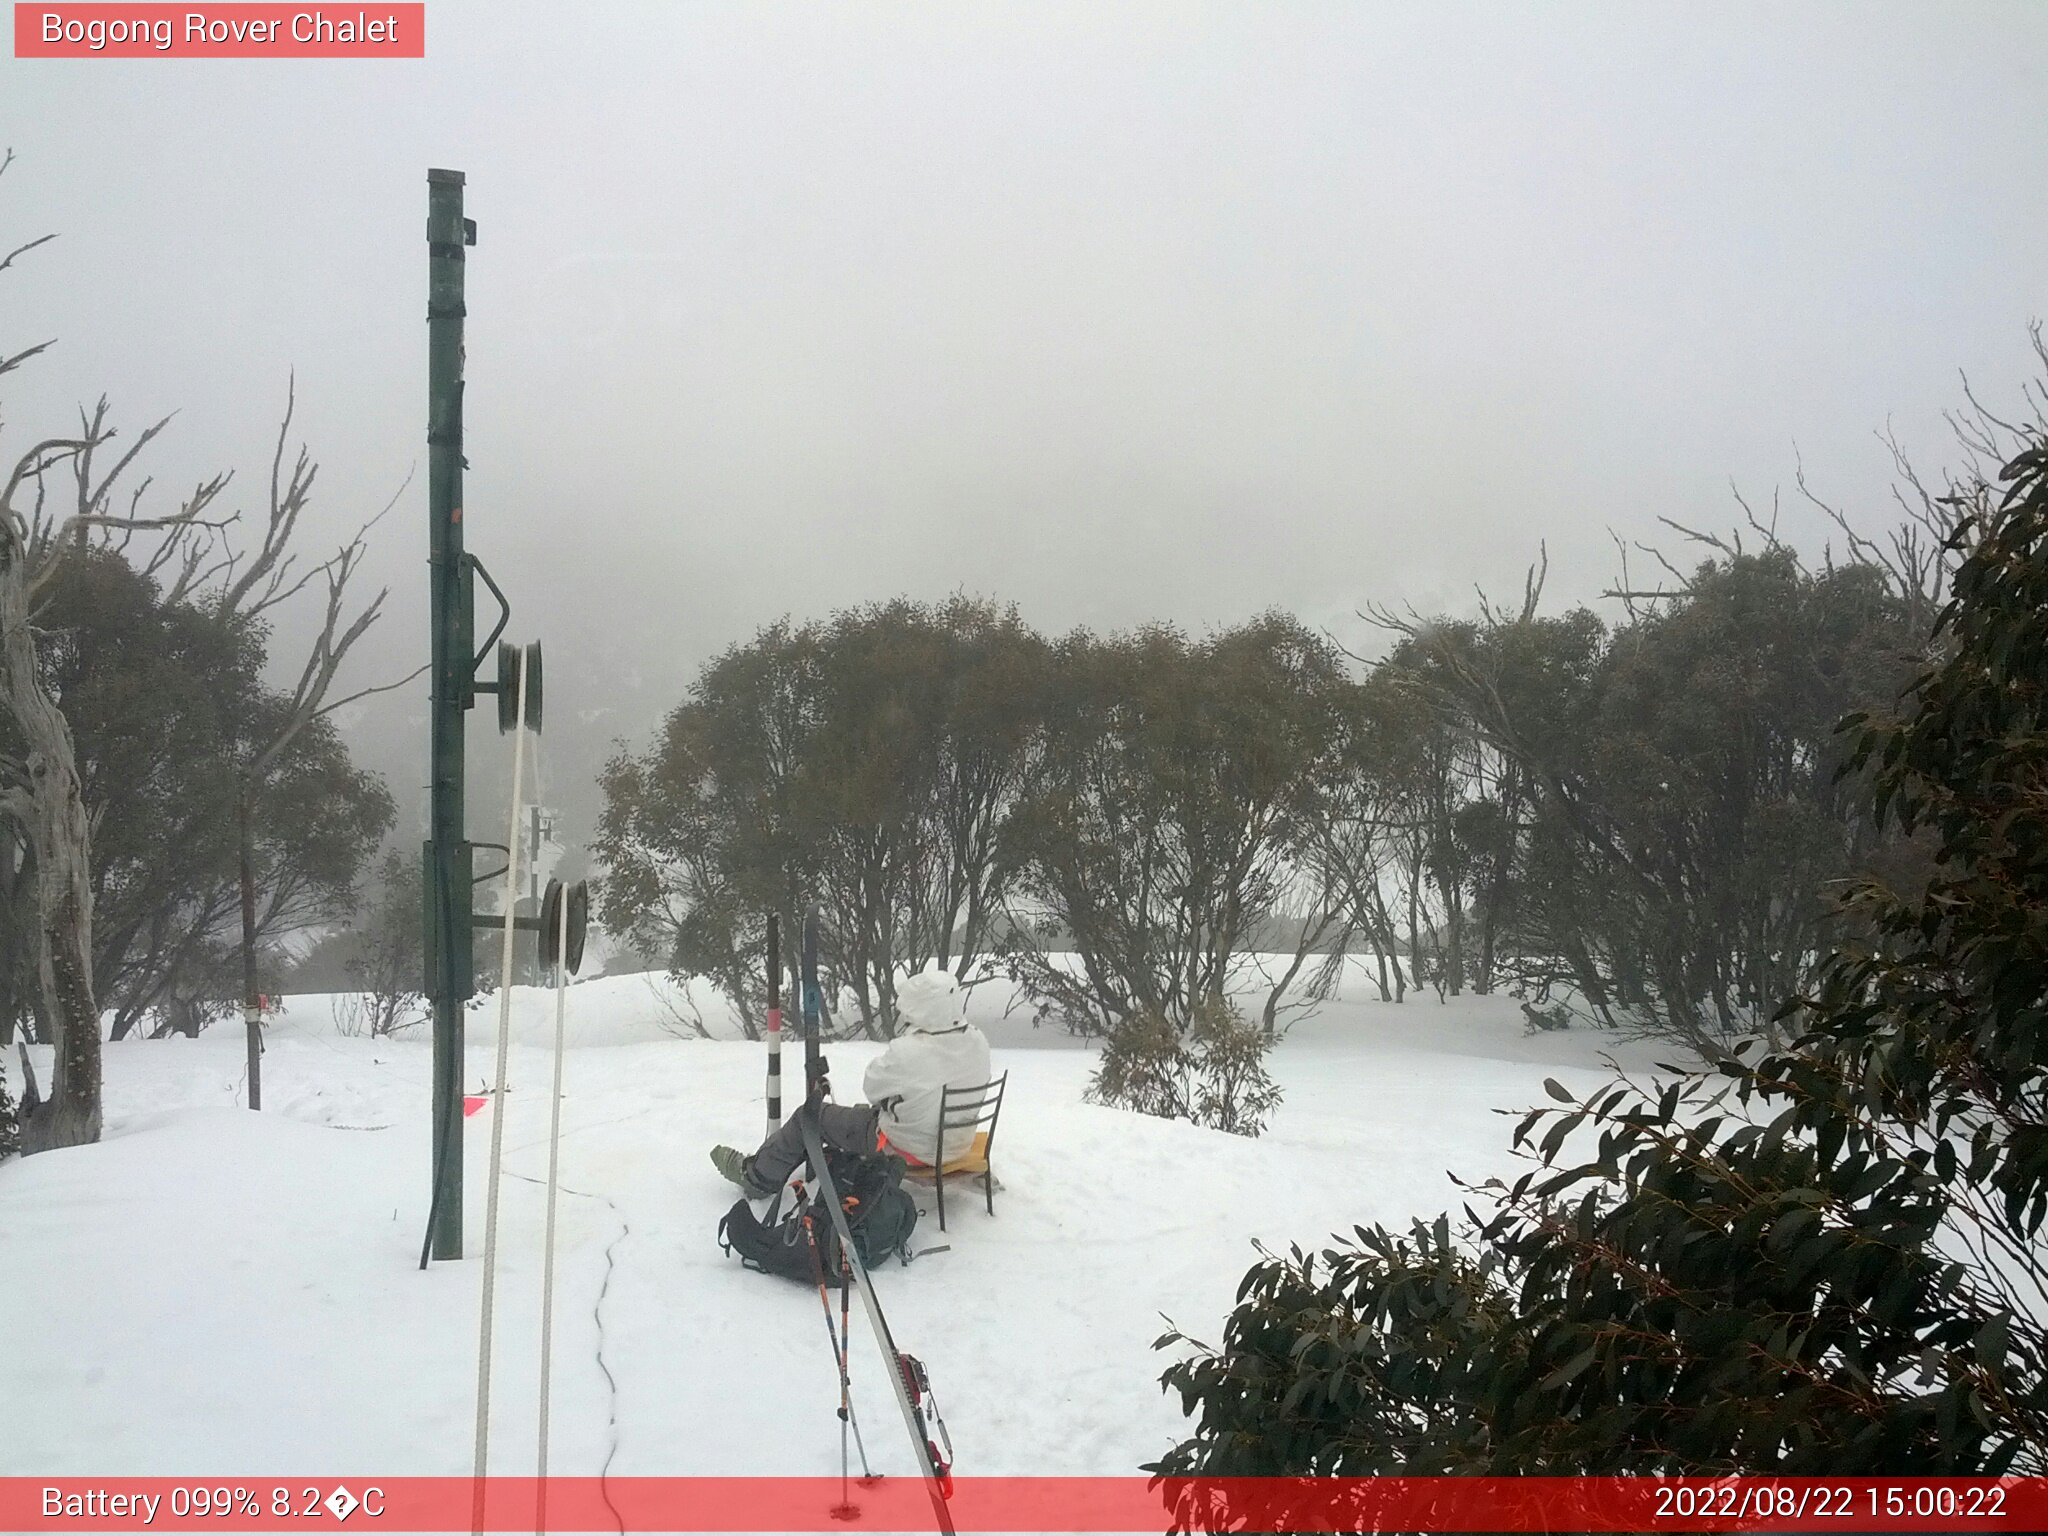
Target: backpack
(879, 1213)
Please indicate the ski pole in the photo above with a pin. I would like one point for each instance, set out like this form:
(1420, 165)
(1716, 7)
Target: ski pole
(547, 1284)
(846, 1374)
(845, 1510)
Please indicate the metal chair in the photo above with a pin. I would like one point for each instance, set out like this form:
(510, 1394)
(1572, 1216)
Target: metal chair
(978, 1108)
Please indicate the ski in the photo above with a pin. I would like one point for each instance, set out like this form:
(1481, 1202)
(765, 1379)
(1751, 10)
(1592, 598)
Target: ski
(813, 1004)
(937, 1483)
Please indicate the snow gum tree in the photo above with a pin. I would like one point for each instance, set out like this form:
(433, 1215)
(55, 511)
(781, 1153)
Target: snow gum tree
(1663, 827)
(1171, 813)
(932, 721)
(40, 790)
(870, 762)
(161, 699)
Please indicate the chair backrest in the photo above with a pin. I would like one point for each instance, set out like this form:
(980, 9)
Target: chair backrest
(977, 1105)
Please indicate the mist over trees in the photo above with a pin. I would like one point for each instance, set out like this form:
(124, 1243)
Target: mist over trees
(1824, 1259)
(1640, 823)
(1637, 824)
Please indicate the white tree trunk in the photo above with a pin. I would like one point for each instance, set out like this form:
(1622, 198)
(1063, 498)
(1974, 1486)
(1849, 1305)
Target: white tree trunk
(61, 837)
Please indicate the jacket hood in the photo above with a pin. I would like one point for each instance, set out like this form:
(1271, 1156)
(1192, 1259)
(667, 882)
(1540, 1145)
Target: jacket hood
(929, 1002)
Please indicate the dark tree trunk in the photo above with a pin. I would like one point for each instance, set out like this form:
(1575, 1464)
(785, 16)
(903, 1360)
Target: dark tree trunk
(17, 893)
(252, 1004)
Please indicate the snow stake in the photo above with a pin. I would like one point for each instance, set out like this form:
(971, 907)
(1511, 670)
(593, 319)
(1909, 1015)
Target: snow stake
(564, 913)
(483, 1348)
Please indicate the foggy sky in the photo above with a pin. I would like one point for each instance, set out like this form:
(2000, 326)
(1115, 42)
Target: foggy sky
(1122, 312)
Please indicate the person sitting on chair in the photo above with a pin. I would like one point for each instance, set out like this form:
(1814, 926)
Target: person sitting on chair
(935, 1048)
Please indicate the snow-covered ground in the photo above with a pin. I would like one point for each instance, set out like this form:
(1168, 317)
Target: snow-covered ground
(214, 1292)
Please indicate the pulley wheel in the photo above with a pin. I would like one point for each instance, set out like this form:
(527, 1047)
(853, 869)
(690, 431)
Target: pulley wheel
(550, 934)
(579, 923)
(508, 687)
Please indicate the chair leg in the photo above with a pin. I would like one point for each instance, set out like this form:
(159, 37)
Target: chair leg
(988, 1184)
(939, 1178)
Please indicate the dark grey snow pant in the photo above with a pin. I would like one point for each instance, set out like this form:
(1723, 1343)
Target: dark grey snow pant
(844, 1127)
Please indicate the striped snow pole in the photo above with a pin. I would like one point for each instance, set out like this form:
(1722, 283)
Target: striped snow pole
(774, 1025)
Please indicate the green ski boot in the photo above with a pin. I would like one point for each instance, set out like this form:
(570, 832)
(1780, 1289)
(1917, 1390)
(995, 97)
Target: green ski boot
(732, 1163)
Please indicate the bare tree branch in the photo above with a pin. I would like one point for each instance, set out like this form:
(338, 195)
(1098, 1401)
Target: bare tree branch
(51, 552)
(364, 693)
(1684, 582)
(46, 454)
(1730, 546)
(96, 432)
(262, 585)
(22, 250)
(1628, 593)
(9, 364)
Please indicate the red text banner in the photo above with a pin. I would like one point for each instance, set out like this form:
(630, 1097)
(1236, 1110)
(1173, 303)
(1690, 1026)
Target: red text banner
(238, 31)
(1017, 1504)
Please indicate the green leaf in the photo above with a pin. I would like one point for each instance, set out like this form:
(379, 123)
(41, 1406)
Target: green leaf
(1990, 1342)
(1569, 1369)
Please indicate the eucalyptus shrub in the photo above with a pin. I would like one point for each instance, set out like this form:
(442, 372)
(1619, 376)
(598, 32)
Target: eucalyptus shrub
(1213, 1075)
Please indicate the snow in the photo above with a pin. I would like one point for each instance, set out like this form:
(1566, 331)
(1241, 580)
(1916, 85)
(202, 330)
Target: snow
(210, 1292)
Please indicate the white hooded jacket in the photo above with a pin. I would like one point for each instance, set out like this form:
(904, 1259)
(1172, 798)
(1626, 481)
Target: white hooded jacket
(934, 1049)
